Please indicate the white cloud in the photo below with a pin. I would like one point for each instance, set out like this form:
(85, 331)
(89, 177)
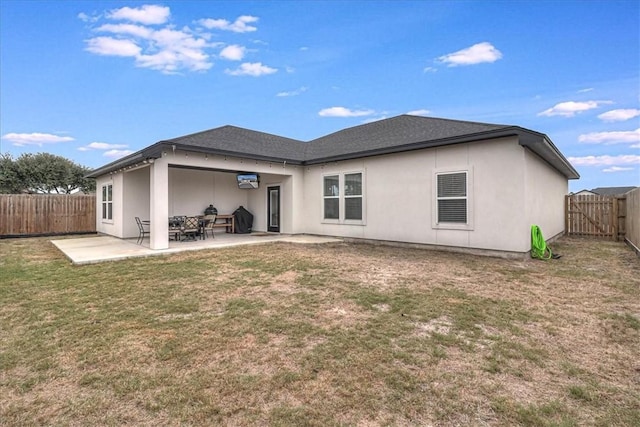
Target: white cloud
(421, 112)
(166, 49)
(429, 70)
(606, 160)
(22, 139)
(178, 50)
(116, 154)
(233, 52)
(86, 18)
(344, 112)
(238, 26)
(571, 108)
(619, 115)
(293, 92)
(589, 89)
(254, 69)
(112, 151)
(608, 138)
(112, 47)
(614, 169)
(130, 29)
(101, 146)
(147, 14)
(476, 54)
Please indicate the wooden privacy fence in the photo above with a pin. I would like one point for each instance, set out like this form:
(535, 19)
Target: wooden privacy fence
(46, 214)
(595, 216)
(632, 233)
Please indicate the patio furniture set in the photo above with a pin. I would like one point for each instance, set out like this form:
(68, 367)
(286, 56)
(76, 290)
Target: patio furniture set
(189, 228)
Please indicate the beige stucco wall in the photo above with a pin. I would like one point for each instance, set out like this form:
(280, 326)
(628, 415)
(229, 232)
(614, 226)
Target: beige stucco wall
(115, 226)
(400, 196)
(257, 202)
(191, 191)
(499, 195)
(136, 199)
(544, 192)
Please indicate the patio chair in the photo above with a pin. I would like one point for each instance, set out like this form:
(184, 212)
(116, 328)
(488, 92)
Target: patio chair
(209, 224)
(190, 228)
(175, 223)
(143, 229)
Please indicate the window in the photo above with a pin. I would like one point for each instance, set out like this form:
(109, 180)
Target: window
(107, 202)
(452, 198)
(353, 196)
(343, 197)
(332, 197)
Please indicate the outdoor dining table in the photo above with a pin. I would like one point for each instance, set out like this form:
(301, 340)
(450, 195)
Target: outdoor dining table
(176, 225)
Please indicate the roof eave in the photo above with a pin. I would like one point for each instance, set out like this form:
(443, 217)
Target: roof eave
(137, 157)
(155, 151)
(541, 145)
(229, 153)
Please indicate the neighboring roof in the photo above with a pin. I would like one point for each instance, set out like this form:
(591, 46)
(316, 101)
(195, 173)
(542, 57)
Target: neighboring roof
(396, 134)
(583, 192)
(612, 191)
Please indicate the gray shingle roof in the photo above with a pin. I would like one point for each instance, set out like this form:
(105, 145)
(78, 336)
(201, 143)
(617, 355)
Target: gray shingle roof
(392, 134)
(612, 191)
(396, 134)
(235, 140)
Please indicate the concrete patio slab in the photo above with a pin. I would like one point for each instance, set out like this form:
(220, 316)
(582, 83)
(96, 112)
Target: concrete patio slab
(94, 249)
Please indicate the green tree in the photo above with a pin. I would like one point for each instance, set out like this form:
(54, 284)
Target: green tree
(10, 178)
(43, 173)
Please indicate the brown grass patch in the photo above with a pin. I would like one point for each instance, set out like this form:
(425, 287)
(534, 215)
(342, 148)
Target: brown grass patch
(336, 334)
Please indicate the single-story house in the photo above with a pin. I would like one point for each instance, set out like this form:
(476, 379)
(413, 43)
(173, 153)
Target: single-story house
(408, 179)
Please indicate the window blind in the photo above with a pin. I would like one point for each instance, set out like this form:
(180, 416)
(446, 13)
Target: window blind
(452, 197)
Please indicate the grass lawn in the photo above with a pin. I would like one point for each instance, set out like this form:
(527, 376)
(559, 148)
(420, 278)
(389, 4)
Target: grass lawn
(335, 334)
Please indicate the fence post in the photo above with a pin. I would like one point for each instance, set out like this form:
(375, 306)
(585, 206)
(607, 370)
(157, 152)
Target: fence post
(566, 215)
(614, 218)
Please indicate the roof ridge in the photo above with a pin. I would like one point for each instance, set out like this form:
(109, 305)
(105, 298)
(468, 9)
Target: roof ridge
(228, 126)
(194, 133)
(453, 120)
(411, 116)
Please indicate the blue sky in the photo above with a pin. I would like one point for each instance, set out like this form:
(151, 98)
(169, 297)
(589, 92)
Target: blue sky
(95, 80)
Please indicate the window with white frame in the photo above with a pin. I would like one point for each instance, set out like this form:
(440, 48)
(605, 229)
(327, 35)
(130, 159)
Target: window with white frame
(332, 197)
(343, 197)
(452, 198)
(353, 196)
(107, 202)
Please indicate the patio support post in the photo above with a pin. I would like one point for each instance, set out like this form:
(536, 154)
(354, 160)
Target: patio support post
(159, 205)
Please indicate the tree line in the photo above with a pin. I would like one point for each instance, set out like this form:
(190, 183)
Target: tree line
(43, 173)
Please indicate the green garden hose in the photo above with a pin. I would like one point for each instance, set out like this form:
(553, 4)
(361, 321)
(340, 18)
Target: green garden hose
(539, 248)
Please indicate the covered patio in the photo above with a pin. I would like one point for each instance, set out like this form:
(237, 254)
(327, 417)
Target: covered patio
(95, 249)
(182, 176)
